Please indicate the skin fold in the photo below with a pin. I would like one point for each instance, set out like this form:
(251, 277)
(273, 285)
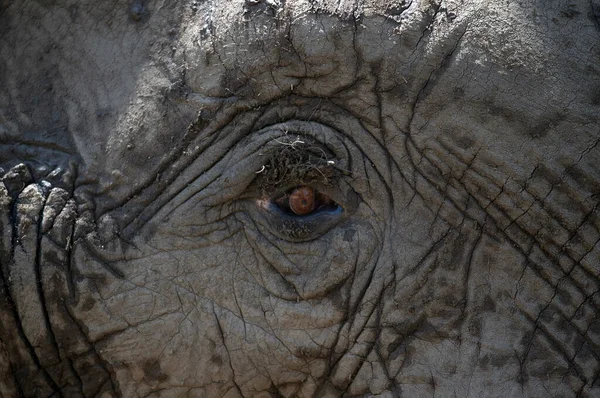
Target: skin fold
(148, 148)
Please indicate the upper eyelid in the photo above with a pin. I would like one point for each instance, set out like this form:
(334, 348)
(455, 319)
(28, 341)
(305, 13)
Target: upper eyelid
(197, 184)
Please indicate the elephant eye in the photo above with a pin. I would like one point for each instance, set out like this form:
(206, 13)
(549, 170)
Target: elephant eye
(303, 201)
(300, 193)
(300, 214)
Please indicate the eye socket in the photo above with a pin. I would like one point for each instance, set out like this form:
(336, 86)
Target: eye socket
(300, 192)
(304, 201)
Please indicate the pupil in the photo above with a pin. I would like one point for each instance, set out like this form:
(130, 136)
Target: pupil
(301, 200)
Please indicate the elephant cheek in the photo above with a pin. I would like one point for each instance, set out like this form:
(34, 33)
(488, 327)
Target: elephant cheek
(207, 315)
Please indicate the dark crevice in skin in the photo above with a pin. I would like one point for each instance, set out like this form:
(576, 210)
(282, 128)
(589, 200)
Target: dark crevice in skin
(92, 250)
(430, 79)
(447, 199)
(377, 349)
(392, 163)
(587, 300)
(105, 365)
(75, 169)
(389, 156)
(468, 268)
(373, 346)
(70, 277)
(13, 218)
(377, 312)
(235, 297)
(112, 334)
(573, 233)
(222, 334)
(76, 375)
(578, 350)
(38, 277)
(419, 97)
(191, 197)
(596, 379)
(49, 146)
(435, 73)
(274, 270)
(579, 392)
(5, 291)
(403, 341)
(404, 336)
(431, 251)
(348, 311)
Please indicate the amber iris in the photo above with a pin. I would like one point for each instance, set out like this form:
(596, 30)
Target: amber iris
(302, 200)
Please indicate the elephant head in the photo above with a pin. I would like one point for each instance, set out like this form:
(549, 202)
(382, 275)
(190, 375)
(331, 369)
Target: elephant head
(300, 198)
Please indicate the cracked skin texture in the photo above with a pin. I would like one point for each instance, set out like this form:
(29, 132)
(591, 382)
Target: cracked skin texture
(137, 255)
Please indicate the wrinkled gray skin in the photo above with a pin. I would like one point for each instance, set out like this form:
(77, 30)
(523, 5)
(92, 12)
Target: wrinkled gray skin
(141, 144)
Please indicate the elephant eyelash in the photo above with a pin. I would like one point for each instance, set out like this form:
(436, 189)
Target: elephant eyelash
(298, 163)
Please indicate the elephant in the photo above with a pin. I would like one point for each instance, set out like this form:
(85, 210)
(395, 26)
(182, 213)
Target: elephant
(308, 198)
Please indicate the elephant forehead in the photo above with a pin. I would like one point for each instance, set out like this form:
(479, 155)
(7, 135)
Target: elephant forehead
(313, 53)
(379, 63)
(235, 44)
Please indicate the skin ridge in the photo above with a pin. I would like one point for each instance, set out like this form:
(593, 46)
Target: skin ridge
(26, 361)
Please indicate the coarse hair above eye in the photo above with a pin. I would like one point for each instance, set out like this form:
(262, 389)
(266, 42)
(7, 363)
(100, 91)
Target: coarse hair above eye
(296, 161)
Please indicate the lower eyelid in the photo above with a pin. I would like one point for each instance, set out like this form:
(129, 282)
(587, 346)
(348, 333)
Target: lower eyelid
(300, 228)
